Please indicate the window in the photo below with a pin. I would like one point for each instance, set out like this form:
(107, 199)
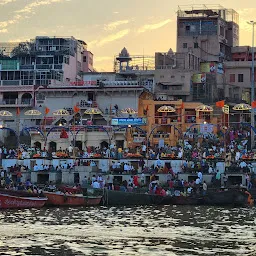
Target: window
(195, 45)
(232, 78)
(240, 78)
(177, 88)
(84, 59)
(172, 76)
(185, 45)
(165, 87)
(162, 76)
(188, 28)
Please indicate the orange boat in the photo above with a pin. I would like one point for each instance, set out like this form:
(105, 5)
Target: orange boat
(16, 202)
(60, 199)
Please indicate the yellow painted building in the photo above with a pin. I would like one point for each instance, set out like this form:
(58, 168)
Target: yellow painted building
(168, 127)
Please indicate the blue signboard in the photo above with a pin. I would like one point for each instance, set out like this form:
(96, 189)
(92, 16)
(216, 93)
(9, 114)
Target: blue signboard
(129, 121)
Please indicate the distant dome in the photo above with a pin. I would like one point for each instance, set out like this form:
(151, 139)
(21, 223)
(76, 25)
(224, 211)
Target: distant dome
(124, 53)
(170, 52)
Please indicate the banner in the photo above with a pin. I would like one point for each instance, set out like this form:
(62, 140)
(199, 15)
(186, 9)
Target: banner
(129, 121)
(225, 109)
(161, 143)
(206, 128)
(212, 67)
(208, 67)
(138, 139)
(199, 78)
(220, 68)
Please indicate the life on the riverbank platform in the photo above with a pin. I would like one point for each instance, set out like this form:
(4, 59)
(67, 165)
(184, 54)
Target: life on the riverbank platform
(77, 174)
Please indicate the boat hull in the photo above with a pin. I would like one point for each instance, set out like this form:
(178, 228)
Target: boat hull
(55, 199)
(15, 202)
(212, 198)
(230, 197)
(116, 198)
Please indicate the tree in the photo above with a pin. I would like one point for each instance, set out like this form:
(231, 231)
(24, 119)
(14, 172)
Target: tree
(23, 48)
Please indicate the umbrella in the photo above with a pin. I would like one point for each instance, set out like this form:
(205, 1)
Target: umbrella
(166, 109)
(93, 111)
(129, 111)
(61, 112)
(204, 108)
(32, 112)
(5, 113)
(242, 107)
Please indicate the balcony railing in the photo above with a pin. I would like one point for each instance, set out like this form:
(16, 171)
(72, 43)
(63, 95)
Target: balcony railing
(27, 67)
(166, 120)
(44, 66)
(161, 136)
(10, 82)
(22, 102)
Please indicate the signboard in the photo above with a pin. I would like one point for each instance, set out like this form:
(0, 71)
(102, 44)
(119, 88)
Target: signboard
(212, 67)
(161, 143)
(83, 83)
(206, 128)
(208, 67)
(199, 78)
(129, 121)
(225, 109)
(138, 139)
(220, 68)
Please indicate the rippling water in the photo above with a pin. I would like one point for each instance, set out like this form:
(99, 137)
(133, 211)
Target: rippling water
(168, 230)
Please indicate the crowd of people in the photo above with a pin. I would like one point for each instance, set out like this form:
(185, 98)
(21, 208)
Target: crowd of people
(230, 146)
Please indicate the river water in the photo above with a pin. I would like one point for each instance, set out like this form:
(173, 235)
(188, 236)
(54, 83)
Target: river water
(153, 230)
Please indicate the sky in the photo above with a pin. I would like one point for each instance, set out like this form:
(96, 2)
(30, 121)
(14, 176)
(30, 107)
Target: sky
(142, 26)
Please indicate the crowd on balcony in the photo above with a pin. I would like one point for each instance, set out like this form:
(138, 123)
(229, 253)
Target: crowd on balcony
(197, 150)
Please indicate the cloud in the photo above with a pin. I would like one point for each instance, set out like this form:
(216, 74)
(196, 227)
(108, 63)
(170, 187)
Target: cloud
(110, 38)
(14, 20)
(29, 8)
(115, 24)
(149, 27)
(4, 2)
(4, 30)
(18, 40)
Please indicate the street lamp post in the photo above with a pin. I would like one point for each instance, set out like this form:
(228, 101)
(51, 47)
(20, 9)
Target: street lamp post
(252, 85)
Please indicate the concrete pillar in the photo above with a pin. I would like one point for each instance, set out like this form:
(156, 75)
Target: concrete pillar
(33, 177)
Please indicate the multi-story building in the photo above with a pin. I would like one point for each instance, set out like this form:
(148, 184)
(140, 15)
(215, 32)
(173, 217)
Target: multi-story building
(238, 74)
(167, 128)
(136, 67)
(173, 75)
(40, 62)
(208, 31)
(207, 34)
(108, 91)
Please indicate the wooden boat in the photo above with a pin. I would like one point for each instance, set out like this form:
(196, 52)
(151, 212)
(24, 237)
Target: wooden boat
(9, 202)
(115, 198)
(19, 193)
(71, 190)
(58, 199)
(233, 197)
(230, 197)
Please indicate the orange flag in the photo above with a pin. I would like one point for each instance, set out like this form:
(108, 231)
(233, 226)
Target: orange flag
(220, 104)
(254, 104)
(47, 110)
(182, 105)
(76, 109)
(18, 111)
